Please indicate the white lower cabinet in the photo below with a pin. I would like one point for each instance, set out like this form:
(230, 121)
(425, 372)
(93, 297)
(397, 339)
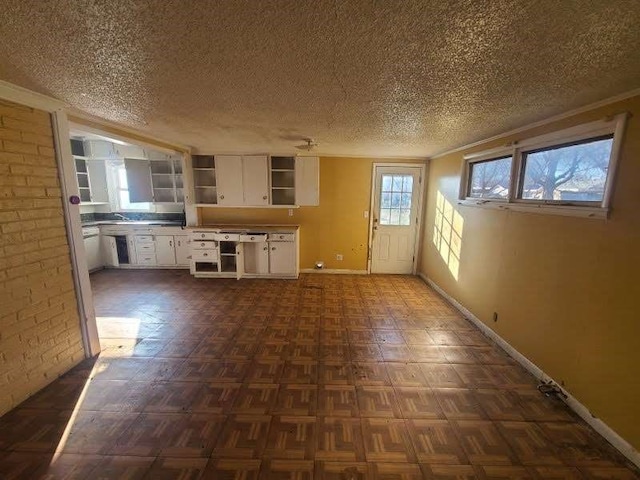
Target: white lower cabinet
(282, 258)
(135, 247)
(252, 253)
(165, 250)
(256, 258)
(183, 254)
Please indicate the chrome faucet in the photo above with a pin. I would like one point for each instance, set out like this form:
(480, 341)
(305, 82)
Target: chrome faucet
(122, 216)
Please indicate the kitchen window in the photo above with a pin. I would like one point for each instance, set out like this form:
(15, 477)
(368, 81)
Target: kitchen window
(568, 172)
(122, 203)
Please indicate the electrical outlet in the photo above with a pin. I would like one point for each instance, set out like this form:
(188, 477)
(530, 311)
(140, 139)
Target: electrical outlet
(291, 212)
(366, 214)
(339, 257)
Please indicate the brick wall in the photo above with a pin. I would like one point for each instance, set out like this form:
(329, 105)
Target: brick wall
(39, 327)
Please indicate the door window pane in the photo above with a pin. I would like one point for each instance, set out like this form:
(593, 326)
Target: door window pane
(490, 178)
(395, 200)
(571, 173)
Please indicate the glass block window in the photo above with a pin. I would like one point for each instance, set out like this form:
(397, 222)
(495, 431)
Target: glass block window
(395, 199)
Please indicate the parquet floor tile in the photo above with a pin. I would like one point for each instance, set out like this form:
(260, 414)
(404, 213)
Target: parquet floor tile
(328, 377)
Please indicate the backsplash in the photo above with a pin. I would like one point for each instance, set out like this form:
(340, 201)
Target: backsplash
(97, 217)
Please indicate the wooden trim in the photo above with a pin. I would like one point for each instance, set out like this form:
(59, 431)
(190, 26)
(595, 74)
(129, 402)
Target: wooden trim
(80, 269)
(29, 98)
(598, 425)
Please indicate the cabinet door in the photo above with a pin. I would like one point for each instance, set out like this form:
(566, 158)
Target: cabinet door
(92, 248)
(239, 260)
(183, 254)
(129, 151)
(255, 180)
(262, 257)
(229, 180)
(109, 251)
(99, 149)
(165, 250)
(98, 180)
(307, 181)
(139, 180)
(282, 258)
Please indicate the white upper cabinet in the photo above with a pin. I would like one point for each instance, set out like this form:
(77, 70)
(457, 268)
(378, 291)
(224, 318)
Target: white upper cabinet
(307, 181)
(255, 178)
(139, 180)
(130, 151)
(98, 181)
(229, 180)
(100, 150)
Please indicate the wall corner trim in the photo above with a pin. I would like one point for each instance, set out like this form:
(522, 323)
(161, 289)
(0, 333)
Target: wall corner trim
(598, 425)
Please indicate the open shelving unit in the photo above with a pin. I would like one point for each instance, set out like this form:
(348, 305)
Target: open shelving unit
(166, 180)
(82, 174)
(283, 175)
(204, 179)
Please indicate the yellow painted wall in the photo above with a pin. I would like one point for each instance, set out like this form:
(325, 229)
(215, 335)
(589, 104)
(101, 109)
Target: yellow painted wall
(337, 225)
(566, 289)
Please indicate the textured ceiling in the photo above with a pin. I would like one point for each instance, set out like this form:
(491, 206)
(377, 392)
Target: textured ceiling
(397, 77)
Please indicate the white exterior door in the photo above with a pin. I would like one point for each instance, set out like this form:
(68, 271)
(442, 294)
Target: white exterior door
(165, 250)
(282, 258)
(229, 180)
(255, 179)
(396, 206)
(183, 255)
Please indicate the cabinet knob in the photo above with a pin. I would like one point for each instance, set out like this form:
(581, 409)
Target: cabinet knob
(202, 236)
(266, 248)
(264, 197)
(221, 197)
(205, 254)
(253, 238)
(273, 248)
(226, 237)
(281, 237)
(170, 243)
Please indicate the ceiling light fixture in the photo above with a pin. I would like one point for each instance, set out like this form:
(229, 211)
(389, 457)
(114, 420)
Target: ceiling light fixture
(310, 145)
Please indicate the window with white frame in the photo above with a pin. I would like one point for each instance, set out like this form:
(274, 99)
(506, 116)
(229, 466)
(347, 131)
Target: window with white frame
(567, 172)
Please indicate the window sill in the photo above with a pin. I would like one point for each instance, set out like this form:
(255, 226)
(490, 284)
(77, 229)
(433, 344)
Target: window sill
(562, 210)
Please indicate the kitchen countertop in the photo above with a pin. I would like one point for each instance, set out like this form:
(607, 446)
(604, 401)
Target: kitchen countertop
(158, 223)
(251, 226)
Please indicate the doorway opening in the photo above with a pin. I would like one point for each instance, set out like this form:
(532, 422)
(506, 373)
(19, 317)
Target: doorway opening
(397, 192)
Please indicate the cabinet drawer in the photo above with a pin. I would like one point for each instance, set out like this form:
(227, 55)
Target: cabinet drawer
(255, 237)
(146, 259)
(226, 237)
(203, 235)
(144, 239)
(281, 237)
(145, 248)
(204, 255)
(203, 245)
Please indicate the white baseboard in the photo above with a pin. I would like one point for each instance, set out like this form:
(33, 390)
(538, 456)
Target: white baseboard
(598, 425)
(335, 271)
